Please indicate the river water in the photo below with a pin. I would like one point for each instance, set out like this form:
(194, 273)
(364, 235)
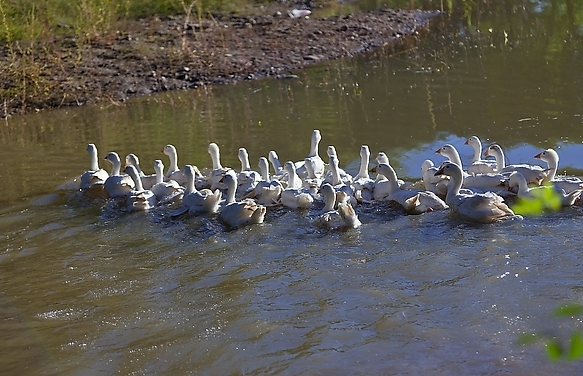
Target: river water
(88, 290)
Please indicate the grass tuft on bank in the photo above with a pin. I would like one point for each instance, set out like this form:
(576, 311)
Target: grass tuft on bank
(32, 20)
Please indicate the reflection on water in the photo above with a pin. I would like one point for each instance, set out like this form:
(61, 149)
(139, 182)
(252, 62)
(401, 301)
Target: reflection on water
(85, 289)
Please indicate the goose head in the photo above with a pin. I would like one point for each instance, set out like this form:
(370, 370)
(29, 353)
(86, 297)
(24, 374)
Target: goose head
(244, 158)
(132, 171)
(113, 158)
(213, 150)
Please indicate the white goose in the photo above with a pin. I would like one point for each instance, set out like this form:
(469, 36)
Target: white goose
(567, 183)
(147, 180)
(362, 183)
(343, 217)
(165, 191)
(218, 172)
(319, 165)
(532, 173)
(117, 185)
(267, 192)
(247, 179)
(413, 201)
(479, 165)
(197, 201)
(173, 173)
(478, 207)
(473, 181)
(139, 198)
(95, 176)
(239, 213)
(311, 182)
(431, 182)
(344, 176)
(516, 180)
(337, 183)
(294, 196)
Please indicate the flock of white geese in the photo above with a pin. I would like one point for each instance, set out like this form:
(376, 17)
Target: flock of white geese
(479, 193)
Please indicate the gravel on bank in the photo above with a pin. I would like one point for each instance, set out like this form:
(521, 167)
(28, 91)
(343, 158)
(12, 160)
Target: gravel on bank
(174, 53)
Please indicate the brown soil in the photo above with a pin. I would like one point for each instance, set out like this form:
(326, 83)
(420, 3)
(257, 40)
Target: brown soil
(179, 53)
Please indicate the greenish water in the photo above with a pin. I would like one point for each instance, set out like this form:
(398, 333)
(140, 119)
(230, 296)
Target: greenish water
(86, 289)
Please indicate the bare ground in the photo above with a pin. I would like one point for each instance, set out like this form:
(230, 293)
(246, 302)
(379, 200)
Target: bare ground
(180, 53)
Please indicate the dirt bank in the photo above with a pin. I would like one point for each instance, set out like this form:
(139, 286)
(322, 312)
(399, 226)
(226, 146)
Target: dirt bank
(179, 53)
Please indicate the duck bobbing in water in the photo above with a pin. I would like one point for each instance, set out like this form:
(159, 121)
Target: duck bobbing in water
(485, 207)
(95, 176)
(239, 213)
(117, 185)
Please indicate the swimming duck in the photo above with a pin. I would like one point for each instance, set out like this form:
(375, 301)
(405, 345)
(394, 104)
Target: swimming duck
(95, 176)
(197, 201)
(319, 165)
(138, 198)
(532, 173)
(247, 179)
(117, 185)
(478, 207)
(239, 213)
(516, 180)
(478, 181)
(173, 173)
(343, 217)
(413, 201)
(345, 177)
(362, 183)
(165, 191)
(479, 165)
(436, 184)
(147, 180)
(567, 183)
(294, 196)
(267, 192)
(218, 172)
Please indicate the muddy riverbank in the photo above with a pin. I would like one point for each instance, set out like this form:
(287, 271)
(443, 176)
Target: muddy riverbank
(175, 53)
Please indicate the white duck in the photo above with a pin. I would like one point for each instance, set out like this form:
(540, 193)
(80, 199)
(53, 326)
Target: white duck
(247, 179)
(431, 182)
(532, 173)
(165, 191)
(343, 217)
(337, 183)
(345, 177)
(362, 183)
(413, 201)
(516, 180)
(139, 198)
(117, 185)
(239, 213)
(267, 192)
(147, 180)
(218, 172)
(479, 165)
(197, 201)
(567, 183)
(311, 182)
(95, 176)
(294, 196)
(319, 165)
(473, 181)
(478, 207)
(173, 173)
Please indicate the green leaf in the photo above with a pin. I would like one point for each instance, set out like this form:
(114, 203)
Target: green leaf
(576, 347)
(569, 310)
(554, 350)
